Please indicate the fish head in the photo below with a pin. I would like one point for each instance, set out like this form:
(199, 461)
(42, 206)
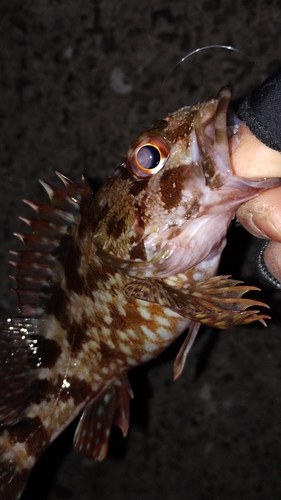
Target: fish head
(168, 205)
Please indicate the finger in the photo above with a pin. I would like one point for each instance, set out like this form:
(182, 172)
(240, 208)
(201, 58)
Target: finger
(262, 215)
(272, 258)
(251, 158)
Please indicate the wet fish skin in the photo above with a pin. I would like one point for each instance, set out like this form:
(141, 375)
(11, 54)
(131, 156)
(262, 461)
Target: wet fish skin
(107, 281)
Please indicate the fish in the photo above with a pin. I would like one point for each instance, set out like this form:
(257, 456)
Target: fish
(106, 281)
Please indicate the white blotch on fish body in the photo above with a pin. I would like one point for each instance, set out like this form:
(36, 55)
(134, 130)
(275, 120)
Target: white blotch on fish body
(34, 411)
(107, 319)
(123, 335)
(146, 357)
(130, 361)
(121, 309)
(45, 373)
(164, 334)
(150, 347)
(149, 333)
(105, 331)
(18, 450)
(105, 296)
(144, 312)
(50, 327)
(170, 312)
(161, 320)
(197, 276)
(131, 333)
(125, 349)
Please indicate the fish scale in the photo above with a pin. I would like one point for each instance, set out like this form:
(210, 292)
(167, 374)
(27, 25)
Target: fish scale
(107, 281)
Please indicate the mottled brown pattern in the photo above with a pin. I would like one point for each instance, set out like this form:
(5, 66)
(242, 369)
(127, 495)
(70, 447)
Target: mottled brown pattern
(171, 184)
(107, 353)
(60, 308)
(46, 390)
(124, 212)
(75, 332)
(74, 280)
(95, 275)
(25, 428)
(116, 227)
(77, 335)
(35, 441)
(94, 214)
(141, 212)
(79, 390)
(138, 252)
(135, 234)
(119, 322)
(182, 129)
(125, 175)
(50, 351)
(138, 186)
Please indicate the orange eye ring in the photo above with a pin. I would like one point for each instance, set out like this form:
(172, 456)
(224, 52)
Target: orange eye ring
(147, 156)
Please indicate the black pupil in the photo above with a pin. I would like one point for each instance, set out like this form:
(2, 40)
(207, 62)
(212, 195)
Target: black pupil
(148, 157)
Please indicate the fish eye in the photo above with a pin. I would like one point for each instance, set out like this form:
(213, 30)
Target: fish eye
(147, 156)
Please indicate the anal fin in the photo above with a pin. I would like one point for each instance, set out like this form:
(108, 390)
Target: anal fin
(12, 480)
(111, 407)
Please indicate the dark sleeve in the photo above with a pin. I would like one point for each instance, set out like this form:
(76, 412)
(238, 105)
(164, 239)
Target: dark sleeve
(261, 111)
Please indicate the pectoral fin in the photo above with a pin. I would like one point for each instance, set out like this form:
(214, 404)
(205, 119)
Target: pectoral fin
(216, 302)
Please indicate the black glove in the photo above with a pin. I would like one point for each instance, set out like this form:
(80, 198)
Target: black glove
(261, 111)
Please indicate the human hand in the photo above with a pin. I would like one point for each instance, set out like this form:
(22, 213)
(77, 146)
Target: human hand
(262, 215)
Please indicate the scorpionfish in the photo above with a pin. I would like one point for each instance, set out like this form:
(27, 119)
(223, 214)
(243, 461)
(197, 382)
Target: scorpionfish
(107, 281)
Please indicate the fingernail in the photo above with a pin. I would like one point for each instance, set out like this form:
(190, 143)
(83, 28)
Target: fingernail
(266, 227)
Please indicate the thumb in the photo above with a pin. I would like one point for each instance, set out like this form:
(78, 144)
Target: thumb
(262, 215)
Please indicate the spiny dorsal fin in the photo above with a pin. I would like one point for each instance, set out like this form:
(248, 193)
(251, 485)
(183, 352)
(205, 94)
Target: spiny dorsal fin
(40, 264)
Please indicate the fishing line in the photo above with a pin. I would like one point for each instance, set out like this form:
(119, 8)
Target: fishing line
(208, 47)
